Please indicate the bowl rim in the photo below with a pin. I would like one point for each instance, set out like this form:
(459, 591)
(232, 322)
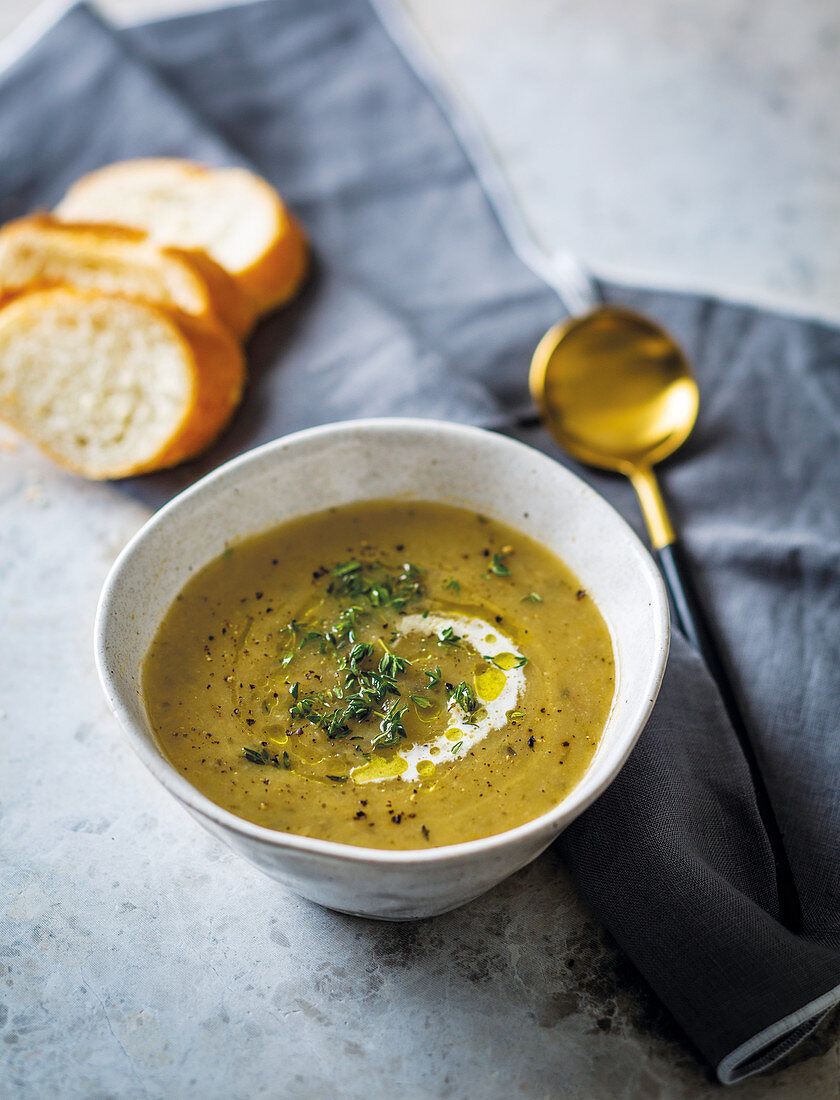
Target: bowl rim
(183, 791)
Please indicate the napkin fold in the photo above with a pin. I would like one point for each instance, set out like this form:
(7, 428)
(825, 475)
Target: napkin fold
(419, 305)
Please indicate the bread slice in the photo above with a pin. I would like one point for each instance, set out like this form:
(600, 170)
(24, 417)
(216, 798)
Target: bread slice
(232, 215)
(40, 251)
(110, 386)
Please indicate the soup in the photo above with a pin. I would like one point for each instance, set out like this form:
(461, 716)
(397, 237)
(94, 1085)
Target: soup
(387, 674)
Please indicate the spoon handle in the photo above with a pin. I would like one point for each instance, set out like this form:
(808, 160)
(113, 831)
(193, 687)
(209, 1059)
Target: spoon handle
(693, 624)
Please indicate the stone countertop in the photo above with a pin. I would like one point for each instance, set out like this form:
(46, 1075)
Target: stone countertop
(144, 960)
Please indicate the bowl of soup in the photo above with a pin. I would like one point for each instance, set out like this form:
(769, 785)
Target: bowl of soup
(386, 661)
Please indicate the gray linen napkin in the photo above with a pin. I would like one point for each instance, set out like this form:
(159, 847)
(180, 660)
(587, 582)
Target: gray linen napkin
(418, 305)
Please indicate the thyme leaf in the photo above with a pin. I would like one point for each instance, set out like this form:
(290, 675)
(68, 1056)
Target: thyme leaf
(463, 696)
(392, 728)
(448, 637)
(519, 662)
(497, 563)
(263, 757)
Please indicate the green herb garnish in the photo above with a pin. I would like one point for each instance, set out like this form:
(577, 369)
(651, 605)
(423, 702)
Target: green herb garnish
(463, 696)
(377, 583)
(391, 665)
(347, 568)
(304, 708)
(392, 728)
(449, 637)
(364, 588)
(256, 756)
(497, 563)
(264, 757)
(360, 652)
(532, 597)
(520, 662)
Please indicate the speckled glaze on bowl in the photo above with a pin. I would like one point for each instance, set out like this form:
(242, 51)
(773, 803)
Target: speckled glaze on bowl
(409, 460)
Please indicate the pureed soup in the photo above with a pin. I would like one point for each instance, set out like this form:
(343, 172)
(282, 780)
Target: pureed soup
(384, 674)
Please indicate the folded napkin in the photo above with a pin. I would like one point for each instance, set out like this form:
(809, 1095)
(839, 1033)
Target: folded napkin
(419, 305)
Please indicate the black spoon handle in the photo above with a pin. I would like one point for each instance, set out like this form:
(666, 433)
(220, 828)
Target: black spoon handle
(693, 624)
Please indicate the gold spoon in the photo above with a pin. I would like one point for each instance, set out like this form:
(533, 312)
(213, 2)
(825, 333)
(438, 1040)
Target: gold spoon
(616, 391)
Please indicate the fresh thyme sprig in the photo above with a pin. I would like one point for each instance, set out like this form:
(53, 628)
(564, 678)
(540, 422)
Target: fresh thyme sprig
(364, 689)
(370, 587)
(263, 756)
(377, 584)
(463, 696)
(393, 730)
(391, 665)
(360, 652)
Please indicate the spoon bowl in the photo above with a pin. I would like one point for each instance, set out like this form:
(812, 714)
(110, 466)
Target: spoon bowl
(614, 389)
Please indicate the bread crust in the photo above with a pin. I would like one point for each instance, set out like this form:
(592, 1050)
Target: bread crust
(228, 302)
(217, 375)
(280, 273)
(219, 382)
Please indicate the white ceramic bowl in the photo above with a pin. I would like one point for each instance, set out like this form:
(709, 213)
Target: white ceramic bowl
(366, 460)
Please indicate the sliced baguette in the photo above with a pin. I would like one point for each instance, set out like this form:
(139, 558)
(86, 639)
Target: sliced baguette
(111, 386)
(40, 251)
(233, 216)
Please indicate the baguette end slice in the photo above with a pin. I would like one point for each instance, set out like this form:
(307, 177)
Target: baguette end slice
(231, 214)
(279, 274)
(112, 387)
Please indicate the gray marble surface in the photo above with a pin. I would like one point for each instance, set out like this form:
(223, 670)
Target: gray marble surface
(146, 961)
